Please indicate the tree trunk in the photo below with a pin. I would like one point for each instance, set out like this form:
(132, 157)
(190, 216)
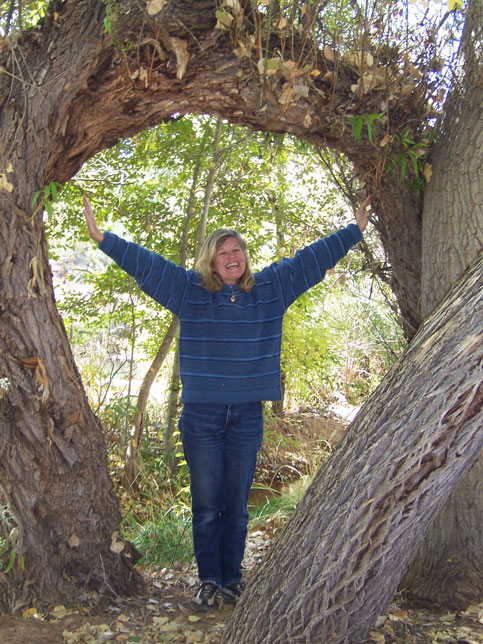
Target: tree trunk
(169, 445)
(131, 468)
(53, 465)
(448, 567)
(338, 561)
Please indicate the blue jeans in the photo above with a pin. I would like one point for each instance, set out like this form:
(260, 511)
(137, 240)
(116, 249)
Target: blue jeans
(220, 443)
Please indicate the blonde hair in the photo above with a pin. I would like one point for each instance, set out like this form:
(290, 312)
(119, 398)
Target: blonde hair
(206, 261)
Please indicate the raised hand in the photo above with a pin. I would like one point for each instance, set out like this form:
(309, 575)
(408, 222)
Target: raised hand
(92, 229)
(364, 213)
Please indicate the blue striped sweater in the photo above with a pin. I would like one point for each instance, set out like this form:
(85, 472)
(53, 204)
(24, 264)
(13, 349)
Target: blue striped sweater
(230, 351)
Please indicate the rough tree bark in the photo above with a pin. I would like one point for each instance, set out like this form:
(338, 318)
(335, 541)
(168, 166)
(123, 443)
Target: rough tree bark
(67, 90)
(338, 561)
(53, 465)
(448, 567)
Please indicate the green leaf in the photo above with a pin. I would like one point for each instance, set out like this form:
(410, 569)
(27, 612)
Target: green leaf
(11, 561)
(36, 196)
(356, 122)
(403, 167)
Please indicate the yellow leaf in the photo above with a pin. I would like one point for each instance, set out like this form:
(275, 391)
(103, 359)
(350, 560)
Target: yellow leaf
(223, 19)
(154, 6)
(427, 172)
(60, 611)
(29, 612)
(241, 51)
(4, 182)
(377, 637)
(160, 620)
(74, 541)
(329, 53)
(455, 4)
(307, 120)
(41, 376)
(117, 546)
(193, 618)
(180, 49)
(387, 139)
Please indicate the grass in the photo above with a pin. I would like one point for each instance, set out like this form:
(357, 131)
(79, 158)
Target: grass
(278, 504)
(162, 541)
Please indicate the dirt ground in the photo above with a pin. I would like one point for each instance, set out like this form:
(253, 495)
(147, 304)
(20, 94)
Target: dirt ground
(164, 615)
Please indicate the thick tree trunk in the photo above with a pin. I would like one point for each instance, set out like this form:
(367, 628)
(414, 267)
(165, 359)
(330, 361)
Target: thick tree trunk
(448, 567)
(337, 563)
(53, 466)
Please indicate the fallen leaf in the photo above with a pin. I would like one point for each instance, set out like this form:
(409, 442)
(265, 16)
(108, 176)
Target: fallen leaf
(4, 182)
(160, 620)
(387, 139)
(74, 541)
(117, 546)
(154, 6)
(268, 66)
(427, 172)
(398, 615)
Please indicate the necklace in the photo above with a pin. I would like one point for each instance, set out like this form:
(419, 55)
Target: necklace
(233, 293)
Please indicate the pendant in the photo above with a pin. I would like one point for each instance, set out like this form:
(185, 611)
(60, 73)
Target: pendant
(232, 298)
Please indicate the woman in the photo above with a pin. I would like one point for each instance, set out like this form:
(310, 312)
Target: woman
(229, 348)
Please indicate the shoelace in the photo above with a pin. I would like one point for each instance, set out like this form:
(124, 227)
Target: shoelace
(206, 590)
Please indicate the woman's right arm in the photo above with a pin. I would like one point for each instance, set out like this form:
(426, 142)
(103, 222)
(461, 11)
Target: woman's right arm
(92, 229)
(161, 279)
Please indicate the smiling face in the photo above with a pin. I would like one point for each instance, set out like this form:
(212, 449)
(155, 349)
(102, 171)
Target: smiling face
(230, 261)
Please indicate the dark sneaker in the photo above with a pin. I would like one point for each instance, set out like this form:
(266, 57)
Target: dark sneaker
(232, 592)
(205, 597)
